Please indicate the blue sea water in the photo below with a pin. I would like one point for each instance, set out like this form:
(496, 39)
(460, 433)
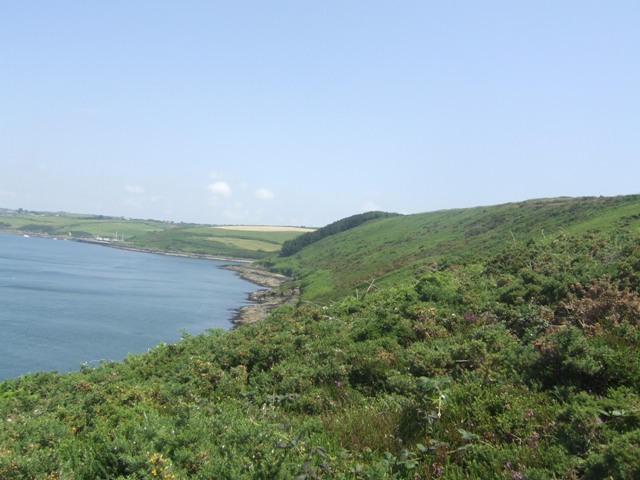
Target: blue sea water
(63, 303)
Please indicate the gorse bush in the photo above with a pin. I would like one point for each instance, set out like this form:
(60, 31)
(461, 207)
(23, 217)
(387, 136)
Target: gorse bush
(521, 365)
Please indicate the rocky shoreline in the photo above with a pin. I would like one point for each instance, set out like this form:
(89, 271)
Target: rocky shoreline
(266, 299)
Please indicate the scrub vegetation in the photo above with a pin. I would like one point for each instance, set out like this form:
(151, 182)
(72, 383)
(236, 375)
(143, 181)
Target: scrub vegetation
(509, 352)
(401, 248)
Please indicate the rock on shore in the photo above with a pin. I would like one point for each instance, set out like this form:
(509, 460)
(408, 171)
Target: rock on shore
(266, 299)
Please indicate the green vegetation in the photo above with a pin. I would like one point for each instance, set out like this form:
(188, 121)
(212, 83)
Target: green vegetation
(205, 240)
(296, 244)
(402, 248)
(480, 358)
(150, 234)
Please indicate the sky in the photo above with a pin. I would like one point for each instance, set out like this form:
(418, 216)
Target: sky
(302, 113)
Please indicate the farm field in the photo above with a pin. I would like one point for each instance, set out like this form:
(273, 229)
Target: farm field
(246, 242)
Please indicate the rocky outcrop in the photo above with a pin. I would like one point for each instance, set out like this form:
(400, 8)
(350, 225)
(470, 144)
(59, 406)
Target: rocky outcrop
(273, 296)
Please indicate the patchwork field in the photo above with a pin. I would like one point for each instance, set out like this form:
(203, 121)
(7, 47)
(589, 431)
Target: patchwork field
(266, 228)
(244, 241)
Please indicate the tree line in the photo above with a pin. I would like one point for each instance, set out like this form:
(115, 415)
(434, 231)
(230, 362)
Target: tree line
(294, 245)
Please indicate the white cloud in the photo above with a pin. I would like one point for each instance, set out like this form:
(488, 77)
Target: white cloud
(263, 194)
(220, 189)
(136, 189)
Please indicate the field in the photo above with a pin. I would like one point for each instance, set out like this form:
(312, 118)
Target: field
(247, 242)
(266, 228)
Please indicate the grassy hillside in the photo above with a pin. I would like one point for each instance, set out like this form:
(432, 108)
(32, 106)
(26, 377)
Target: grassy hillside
(236, 242)
(484, 358)
(400, 248)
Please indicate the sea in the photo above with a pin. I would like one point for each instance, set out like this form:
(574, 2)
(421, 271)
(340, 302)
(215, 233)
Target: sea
(65, 303)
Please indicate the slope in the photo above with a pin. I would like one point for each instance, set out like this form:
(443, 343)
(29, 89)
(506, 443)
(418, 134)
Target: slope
(520, 364)
(389, 250)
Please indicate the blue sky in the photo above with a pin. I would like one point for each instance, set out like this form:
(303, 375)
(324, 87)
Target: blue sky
(301, 113)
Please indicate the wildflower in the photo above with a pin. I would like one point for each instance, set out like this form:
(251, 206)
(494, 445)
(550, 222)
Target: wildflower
(511, 472)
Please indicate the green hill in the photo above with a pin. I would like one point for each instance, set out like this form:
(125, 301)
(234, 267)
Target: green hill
(399, 248)
(295, 245)
(496, 342)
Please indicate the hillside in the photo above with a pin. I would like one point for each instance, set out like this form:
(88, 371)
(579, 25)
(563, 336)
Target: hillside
(509, 353)
(388, 250)
(296, 244)
(215, 241)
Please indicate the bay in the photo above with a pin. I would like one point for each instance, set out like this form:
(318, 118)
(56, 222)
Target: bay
(64, 303)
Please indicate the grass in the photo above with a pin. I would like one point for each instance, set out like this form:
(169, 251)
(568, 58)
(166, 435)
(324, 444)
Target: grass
(400, 248)
(162, 236)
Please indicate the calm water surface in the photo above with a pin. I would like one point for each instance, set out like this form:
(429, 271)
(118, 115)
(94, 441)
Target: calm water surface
(63, 303)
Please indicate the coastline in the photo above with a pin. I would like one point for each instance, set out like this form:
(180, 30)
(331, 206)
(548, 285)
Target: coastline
(158, 252)
(267, 299)
(264, 300)
(127, 246)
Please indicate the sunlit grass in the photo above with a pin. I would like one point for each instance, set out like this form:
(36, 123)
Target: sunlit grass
(162, 236)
